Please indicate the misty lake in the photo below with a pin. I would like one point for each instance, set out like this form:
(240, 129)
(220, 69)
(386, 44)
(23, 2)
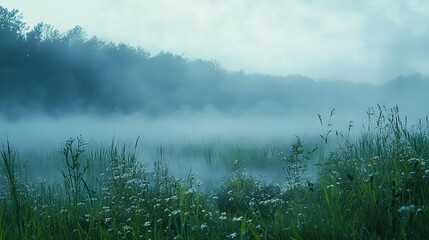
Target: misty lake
(214, 119)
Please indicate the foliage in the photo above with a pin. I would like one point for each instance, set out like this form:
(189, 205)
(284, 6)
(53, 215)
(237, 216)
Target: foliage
(295, 164)
(46, 71)
(375, 186)
(76, 168)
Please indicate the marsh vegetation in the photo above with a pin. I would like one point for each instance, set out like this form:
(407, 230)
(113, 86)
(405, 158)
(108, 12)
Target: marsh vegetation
(372, 186)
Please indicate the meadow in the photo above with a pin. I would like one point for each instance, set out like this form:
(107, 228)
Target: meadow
(371, 186)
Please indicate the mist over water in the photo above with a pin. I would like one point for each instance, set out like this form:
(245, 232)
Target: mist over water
(56, 86)
(45, 132)
(184, 137)
(40, 135)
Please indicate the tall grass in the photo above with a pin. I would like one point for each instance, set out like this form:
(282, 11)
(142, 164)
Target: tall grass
(375, 186)
(9, 167)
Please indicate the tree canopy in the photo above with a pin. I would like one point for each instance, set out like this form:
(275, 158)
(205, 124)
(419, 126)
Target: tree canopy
(44, 70)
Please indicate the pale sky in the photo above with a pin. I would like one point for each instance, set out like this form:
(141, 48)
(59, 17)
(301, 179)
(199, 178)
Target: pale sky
(361, 41)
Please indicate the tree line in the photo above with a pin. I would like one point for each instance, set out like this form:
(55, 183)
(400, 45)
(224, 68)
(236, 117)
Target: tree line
(44, 70)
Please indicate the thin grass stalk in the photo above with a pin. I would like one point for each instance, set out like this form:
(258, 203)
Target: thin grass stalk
(9, 160)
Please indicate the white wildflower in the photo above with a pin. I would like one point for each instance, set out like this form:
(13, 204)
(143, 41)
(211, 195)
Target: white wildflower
(232, 235)
(406, 209)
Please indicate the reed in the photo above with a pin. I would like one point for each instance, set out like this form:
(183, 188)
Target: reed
(375, 186)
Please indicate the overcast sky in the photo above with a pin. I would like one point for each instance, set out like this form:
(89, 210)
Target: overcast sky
(370, 41)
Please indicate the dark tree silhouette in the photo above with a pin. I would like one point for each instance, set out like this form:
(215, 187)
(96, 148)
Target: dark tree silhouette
(43, 70)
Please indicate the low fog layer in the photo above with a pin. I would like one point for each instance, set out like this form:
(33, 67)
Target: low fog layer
(58, 85)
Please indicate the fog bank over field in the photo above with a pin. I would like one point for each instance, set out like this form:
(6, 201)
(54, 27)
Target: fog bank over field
(58, 85)
(47, 132)
(181, 127)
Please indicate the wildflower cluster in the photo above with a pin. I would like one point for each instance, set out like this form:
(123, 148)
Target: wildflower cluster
(374, 187)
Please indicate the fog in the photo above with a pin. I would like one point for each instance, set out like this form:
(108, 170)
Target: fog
(264, 121)
(43, 135)
(39, 131)
(56, 86)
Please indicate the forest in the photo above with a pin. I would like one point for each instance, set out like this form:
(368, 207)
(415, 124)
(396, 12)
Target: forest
(44, 70)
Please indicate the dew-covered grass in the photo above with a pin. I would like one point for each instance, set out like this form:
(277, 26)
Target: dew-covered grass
(374, 186)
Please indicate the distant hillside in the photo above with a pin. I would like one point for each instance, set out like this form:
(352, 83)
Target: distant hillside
(43, 70)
